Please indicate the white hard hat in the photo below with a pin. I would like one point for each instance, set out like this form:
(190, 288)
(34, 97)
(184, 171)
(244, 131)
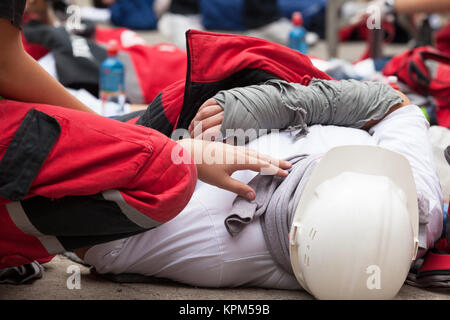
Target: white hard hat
(355, 231)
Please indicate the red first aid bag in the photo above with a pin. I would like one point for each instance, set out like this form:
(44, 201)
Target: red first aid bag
(427, 71)
(442, 39)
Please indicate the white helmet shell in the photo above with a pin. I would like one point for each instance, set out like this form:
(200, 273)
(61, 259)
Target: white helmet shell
(355, 231)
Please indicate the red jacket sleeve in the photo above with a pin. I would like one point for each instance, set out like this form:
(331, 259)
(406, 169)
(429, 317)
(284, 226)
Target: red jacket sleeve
(93, 154)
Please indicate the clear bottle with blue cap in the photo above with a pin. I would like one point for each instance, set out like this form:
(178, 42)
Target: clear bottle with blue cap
(297, 35)
(112, 83)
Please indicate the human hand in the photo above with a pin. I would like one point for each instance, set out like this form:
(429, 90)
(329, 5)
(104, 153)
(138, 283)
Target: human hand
(217, 161)
(207, 122)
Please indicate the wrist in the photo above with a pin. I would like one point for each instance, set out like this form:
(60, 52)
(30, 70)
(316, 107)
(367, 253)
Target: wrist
(190, 153)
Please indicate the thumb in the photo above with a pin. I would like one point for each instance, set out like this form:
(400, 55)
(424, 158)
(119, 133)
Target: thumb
(239, 188)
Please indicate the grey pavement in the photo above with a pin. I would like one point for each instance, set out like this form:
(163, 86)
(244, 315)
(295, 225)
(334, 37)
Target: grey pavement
(53, 286)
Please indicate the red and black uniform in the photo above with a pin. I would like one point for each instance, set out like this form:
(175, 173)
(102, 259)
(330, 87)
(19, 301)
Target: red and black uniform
(70, 179)
(219, 62)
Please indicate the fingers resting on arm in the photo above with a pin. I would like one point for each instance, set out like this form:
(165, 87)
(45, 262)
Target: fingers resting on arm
(216, 162)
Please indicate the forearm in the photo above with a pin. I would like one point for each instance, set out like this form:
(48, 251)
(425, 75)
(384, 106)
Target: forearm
(279, 104)
(23, 79)
(426, 6)
(254, 107)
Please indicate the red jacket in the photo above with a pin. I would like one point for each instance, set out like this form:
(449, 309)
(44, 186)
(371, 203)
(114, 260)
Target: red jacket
(426, 71)
(222, 61)
(70, 179)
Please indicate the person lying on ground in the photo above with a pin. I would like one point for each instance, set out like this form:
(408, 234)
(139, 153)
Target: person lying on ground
(364, 221)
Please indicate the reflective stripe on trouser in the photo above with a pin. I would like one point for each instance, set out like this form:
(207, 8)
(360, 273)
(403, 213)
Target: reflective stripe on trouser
(75, 222)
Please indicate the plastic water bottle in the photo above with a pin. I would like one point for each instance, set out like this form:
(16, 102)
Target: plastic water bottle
(112, 83)
(297, 35)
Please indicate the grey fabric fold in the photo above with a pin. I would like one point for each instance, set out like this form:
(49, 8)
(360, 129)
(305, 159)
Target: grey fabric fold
(276, 202)
(255, 107)
(278, 104)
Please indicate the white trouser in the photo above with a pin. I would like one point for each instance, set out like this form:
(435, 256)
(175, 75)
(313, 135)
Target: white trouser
(195, 248)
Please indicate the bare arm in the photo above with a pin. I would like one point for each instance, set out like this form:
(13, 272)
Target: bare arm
(23, 79)
(425, 6)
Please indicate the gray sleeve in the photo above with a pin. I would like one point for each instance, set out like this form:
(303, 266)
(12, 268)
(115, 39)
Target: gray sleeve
(278, 104)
